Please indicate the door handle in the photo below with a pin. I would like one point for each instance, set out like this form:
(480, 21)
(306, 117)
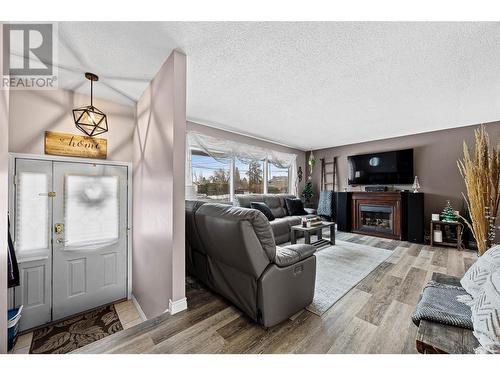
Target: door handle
(61, 240)
(50, 194)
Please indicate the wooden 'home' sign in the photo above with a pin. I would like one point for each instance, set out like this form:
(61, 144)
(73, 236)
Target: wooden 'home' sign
(64, 144)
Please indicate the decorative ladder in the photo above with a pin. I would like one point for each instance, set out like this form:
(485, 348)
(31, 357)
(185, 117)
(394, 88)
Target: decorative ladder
(325, 183)
(328, 183)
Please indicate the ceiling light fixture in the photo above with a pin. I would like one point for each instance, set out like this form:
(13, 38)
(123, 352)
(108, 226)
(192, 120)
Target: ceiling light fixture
(89, 119)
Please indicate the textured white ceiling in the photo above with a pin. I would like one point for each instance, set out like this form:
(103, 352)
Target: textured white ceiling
(307, 85)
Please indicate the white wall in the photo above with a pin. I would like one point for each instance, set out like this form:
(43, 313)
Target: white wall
(158, 208)
(32, 112)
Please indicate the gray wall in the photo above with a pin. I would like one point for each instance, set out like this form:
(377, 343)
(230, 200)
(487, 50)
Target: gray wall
(435, 162)
(158, 203)
(192, 126)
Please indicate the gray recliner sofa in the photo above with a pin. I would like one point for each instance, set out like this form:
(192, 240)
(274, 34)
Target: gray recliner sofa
(232, 250)
(276, 202)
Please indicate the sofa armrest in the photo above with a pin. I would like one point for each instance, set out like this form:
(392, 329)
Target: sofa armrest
(310, 211)
(283, 291)
(291, 254)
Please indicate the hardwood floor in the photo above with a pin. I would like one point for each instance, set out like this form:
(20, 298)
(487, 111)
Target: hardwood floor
(373, 317)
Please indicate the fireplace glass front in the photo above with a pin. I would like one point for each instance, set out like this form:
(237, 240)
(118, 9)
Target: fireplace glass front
(376, 218)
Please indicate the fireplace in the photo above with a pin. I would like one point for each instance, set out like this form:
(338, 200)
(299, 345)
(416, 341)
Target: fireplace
(377, 214)
(376, 218)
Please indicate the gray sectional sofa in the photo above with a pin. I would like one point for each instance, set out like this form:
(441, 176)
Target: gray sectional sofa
(233, 251)
(276, 202)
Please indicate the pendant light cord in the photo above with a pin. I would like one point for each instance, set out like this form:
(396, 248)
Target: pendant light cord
(91, 92)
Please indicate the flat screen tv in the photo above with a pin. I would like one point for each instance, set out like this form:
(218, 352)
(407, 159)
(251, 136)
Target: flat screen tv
(383, 168)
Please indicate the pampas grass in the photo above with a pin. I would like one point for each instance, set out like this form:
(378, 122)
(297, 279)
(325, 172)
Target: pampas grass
(481, 173)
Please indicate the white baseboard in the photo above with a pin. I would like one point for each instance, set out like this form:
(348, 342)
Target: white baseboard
(139, 309)
(177, 306)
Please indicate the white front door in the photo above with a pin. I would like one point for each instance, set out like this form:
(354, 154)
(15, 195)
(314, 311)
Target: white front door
(71, 237)
(90, 237)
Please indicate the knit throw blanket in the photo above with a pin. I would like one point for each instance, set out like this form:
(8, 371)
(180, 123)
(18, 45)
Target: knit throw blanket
(439, 304)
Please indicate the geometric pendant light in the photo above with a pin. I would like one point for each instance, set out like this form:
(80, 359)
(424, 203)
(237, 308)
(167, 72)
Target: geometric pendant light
(89, 119)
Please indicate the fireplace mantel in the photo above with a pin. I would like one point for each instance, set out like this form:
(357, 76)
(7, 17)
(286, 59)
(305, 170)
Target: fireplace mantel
(383, 222)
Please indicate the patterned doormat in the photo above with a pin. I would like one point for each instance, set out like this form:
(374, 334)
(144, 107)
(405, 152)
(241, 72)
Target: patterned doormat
(73, 333)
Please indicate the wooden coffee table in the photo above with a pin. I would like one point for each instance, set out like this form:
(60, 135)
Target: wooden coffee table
(318, 230)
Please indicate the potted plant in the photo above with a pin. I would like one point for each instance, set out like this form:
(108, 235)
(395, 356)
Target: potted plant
(308, 193)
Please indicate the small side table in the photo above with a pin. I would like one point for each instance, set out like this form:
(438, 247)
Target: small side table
(318, 229)
(456, 226)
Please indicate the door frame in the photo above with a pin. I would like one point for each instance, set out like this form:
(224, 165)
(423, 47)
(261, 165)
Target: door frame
(18, 156)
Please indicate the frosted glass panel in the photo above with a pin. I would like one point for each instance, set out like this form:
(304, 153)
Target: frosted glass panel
(91, 211)
(32, 212)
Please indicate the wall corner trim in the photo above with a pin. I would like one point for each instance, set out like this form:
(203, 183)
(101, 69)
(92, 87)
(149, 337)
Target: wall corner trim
(139, 308)
(177, 306)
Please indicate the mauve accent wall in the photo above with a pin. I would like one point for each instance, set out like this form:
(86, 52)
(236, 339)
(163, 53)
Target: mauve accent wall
(4, 144)
(223, 134)
(32, 112)
(435, 162)
(158, 181)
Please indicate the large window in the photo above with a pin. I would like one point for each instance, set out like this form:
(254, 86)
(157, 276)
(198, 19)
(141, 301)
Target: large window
(278, 181)
(249, 178)
(218, 169)
(211, 177)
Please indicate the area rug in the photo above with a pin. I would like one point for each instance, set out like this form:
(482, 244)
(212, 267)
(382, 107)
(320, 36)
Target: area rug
(73, 333)
(340, 268)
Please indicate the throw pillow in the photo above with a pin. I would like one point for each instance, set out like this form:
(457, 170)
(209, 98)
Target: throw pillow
(478, 273)
(295, 207)
(262, 207)
(486, 314)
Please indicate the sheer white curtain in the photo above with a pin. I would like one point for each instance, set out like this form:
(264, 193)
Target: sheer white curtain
(221, 149)
(32, 213)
